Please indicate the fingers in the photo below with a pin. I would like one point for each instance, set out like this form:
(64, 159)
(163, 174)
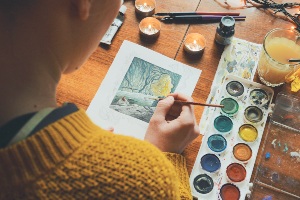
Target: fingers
(181, 97)
(163, 107)
(111, 129)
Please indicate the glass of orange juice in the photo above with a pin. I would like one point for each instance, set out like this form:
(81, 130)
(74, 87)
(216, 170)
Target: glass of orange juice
(278, 47)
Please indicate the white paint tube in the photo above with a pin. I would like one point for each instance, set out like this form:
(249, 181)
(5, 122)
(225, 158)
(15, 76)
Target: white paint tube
(112, 30)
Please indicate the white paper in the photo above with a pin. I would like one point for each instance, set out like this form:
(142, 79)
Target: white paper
(162, 72)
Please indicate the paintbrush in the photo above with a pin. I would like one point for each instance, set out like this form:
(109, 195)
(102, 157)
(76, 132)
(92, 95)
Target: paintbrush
(198, 104)
(191, 103)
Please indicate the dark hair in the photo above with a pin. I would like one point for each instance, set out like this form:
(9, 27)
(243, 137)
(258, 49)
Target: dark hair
(14, 3)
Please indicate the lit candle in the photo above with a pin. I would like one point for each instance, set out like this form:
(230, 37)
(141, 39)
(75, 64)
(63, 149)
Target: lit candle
(145, 8)
(194, 43)
(150, 30)
(150, 27)
(194, 46)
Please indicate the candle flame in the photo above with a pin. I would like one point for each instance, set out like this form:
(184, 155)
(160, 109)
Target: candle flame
(149, 27)
(145, 4)
(195, 42)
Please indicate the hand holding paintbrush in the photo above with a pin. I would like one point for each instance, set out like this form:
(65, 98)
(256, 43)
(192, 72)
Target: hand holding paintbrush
(172, 126)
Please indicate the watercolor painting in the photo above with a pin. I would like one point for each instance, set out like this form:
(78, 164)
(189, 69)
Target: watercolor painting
(141, 87)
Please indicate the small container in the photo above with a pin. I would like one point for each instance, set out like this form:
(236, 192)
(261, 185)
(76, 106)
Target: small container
(150, 28)
(223, 124)
(225, 30)
(194, 44)
(145, 8)
(230, 191)
(259, 97)
(231, 106)
(217, 143)
(248, 133)
(242, 152)
(114, 27)
(210, 163)
(253, 115)
(236, 172)
(203, 184)
(235, 89)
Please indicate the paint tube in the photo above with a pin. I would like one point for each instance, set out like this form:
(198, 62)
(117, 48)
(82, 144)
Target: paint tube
(117, 23)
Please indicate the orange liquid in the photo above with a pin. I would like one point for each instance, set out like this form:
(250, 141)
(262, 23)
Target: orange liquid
(280, 49)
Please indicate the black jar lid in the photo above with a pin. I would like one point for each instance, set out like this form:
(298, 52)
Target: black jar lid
(227, 23)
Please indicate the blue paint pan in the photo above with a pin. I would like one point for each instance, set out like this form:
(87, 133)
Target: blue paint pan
(217, 143)
(210, 163)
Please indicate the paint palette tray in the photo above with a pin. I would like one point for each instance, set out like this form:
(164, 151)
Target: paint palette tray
(226, 158)
(277, 175)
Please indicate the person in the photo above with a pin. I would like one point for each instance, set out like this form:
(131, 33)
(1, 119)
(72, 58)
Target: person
(56, 152)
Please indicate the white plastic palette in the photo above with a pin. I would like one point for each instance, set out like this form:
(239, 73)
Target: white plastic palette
(226, 158)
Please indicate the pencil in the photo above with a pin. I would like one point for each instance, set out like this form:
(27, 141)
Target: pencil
(197, 13)
(198, 104)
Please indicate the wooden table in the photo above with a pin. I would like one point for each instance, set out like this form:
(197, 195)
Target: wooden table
(81, 86)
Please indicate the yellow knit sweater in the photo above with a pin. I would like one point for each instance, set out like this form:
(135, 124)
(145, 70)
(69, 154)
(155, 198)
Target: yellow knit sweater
(75, 159)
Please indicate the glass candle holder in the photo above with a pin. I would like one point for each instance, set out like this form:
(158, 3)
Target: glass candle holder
(150, 27)
(194, 44)
(279, 46)
(145, 8)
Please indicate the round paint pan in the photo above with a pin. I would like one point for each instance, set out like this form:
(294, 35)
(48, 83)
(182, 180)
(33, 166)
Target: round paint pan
(248, 133)
(230, 191)
(210, 163)
(253, 114)
(203, 184)
(259, 97)
(242, 152)
(216, 143)
(231, 106)
(235, 89)
(236, 172)
(223, 124)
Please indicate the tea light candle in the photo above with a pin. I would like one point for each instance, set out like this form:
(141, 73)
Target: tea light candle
(145, 8)
(194, 43)
(150, 27)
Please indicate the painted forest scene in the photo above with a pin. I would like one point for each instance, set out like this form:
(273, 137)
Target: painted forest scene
(143, 84)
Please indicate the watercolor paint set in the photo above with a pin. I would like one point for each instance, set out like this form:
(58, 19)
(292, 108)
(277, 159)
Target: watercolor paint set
(227, 155)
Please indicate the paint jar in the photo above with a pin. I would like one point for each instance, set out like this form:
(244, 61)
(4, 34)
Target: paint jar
(229, 191)
(225, 30)
(231, 106)
(210, 163)
(223, 124)
(258, 97)
(217, 143)
(203, 184)
(248, 133)
(236, 172)
(253, 115)
(242, 152)
(235, 89)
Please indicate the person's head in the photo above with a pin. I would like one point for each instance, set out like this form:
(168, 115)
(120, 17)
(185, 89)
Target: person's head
(63, 33)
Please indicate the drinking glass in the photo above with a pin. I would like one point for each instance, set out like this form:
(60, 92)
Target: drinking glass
(279, 45)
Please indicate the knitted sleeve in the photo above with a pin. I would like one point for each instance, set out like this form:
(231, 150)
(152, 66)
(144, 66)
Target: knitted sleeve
(179, 163)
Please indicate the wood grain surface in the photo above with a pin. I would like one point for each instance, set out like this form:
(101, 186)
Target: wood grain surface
(81, 86)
